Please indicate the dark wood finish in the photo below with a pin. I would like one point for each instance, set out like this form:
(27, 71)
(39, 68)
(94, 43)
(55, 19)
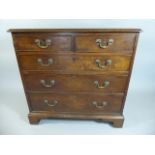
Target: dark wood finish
(57, 42)
(74, 70)
(121, 42)
(84, 30)
(74, 62)
(116, 119)
(76, 103)
(75, 83)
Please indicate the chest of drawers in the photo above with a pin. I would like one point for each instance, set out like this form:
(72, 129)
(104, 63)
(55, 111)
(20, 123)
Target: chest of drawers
(76, 73)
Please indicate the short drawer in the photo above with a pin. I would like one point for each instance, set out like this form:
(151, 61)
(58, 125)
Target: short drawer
(75, 103)
(76, 83)
(75, 62)
(41, 42)
(106, 42)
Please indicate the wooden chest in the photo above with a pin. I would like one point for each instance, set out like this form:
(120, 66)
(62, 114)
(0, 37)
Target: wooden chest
(76, 73)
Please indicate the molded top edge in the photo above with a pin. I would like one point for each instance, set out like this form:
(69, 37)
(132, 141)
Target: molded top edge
(90, 30)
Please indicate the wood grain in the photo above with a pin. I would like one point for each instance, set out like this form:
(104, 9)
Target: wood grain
(75, 83)
(57, 42)
(75, 62)
(76, 103)
(121, 42)
(83, 30)
(74, 69)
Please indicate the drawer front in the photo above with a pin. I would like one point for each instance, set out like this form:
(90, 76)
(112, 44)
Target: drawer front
(71, 103)
(75, 83)
(41, 41)
(75, 62)
(106, 42)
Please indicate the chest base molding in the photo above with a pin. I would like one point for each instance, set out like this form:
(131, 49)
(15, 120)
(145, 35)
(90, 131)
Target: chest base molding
(115, 119)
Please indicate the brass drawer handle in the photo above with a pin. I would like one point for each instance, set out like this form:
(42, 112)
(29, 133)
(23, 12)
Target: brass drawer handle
(106, 63)
(100, 105)
(49, 62)
(47, 84)
(104, 44)
(43, 43)
(104, 85)
(51, 103)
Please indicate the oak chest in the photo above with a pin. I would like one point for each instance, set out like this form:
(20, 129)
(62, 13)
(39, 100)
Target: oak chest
(76, 73)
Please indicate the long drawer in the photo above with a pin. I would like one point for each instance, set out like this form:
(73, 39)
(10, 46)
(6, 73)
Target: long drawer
(75, 103)
(75, 83)
(75, 62)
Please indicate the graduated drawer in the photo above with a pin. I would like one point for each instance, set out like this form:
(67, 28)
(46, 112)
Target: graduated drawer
(75, 83)
(75, 103)
(106, 42)
(75, 62)
(41, 41)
